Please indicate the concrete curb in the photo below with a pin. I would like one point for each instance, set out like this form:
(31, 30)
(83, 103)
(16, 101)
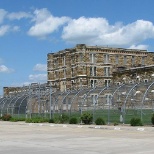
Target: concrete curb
(103, 127)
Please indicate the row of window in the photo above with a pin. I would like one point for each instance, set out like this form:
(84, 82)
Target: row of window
(92, 72)
(93, 82)
(107, 100)
(106, 59)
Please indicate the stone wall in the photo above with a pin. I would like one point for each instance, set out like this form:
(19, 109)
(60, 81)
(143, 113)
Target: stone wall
(74, 65)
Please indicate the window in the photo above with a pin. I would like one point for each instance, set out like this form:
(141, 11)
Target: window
(72, 84)
(72, 70)
(131, 82)
(56, 74)
(138, 78)
(64, 86)
(80, 57)
(92, 71)
(56, 63)
(125, 60)
(106, 59)
(73, 58)
(64, 61)
(118, 98)
(106, 71)
(118, 83)
(145, 80)
(92, 58)
(84, 69)
(117, 59)
(93, 83)
(143, 61)
(133, 60)
(108, 99)
(80, 82)
(64, 72)
(94, 99)
(107, 82)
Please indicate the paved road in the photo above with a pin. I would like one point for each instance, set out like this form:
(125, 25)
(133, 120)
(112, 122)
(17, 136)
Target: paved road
(23, 138)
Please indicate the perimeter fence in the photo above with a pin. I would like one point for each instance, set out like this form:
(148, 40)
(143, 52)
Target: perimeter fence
(115, 103)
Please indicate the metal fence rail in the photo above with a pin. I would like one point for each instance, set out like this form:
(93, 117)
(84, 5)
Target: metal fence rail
(113, 103)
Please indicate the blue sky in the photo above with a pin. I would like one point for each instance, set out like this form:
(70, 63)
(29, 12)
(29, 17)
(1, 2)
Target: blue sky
(29, 29)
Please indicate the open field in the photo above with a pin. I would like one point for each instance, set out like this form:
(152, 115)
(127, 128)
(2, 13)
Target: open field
(20, 137)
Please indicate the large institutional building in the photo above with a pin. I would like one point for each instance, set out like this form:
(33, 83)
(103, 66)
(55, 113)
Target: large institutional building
(85, 77)
(90, 66)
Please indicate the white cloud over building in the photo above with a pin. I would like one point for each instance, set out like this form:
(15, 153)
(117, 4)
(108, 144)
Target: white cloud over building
(40, 67)
(45, 23)
(5, 69)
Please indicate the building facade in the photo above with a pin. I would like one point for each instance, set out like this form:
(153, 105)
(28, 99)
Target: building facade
(90, 66)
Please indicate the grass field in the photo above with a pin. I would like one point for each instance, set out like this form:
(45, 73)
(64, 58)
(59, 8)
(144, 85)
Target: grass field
(110, 116)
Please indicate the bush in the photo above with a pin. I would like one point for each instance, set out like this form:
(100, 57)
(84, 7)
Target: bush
(99, 121)
(36, 120)
(152, 119)
(6, 117)
(64, 118)
(15, 119)
(73, 120)
(136, 122)
(51, 120)
(56, 119)
(115, 124)
(86, 118)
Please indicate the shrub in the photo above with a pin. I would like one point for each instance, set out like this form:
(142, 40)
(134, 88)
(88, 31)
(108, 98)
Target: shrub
(136, 122)
(15, 119)
(73, 120)
(115, 124)
(51, 120)
(56, 119)
(152, 119)
(36, 120)
(99, 121)
(64, 118)
(86, 118)
(6, 117)
(28, 120)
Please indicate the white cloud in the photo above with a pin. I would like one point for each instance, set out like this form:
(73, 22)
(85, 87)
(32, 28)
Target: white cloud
(98, 31)
(45, 23)
(4, 69)
(140, 46)
(3, 13)
(18, 15)
(85, 29)
(38, 77)
(40, 67)
(4, 29)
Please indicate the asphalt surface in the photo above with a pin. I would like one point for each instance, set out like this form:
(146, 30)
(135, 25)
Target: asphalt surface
(25, 138)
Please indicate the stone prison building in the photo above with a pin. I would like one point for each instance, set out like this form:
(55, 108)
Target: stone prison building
(85, 67)
(91, 66)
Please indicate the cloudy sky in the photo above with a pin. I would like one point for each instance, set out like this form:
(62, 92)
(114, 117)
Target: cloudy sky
(29, 29)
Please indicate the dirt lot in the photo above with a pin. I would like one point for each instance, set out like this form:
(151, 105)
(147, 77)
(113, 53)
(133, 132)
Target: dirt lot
(24, 138)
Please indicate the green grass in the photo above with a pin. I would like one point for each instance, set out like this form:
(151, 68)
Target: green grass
(109, 116)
